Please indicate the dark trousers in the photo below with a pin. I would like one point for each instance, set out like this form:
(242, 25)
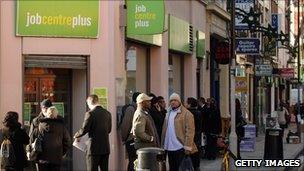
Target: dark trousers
(195, 158)
(47, 167)
(93, 161)
(211, 149)
(131, 154)
(175, 158)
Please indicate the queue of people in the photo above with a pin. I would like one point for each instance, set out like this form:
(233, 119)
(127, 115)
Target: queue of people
(146, 123)
(177, 129)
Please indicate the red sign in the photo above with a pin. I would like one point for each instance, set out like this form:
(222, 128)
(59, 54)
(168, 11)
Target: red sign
(287, 72)
(222, 53)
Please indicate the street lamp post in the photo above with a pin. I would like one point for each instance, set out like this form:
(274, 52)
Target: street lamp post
(232, 137)
(299, 80)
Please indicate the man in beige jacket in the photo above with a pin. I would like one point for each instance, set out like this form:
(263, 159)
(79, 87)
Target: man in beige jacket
(143, 127)
(178, 132)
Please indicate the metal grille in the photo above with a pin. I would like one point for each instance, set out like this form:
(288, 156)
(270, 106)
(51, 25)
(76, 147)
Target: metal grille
(48, 61)
(191, 42)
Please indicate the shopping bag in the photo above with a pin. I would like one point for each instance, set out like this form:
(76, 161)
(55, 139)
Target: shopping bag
(186, 164)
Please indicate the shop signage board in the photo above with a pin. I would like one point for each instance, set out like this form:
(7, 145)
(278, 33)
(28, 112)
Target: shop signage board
(58, 18)
(294, 96)
(145, 17)
(248, 46)
(287, 72)
(241, 84)
(243, 5)
(60, 108)
(263, 70)
(102, 93)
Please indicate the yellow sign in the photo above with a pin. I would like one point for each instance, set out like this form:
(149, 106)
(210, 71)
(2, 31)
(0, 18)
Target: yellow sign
(102, 93)
(241, 84)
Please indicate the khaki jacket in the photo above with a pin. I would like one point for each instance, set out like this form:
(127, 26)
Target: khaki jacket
(184, 129)
(143, 129)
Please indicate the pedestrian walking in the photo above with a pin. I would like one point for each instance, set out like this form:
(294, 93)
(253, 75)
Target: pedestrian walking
(17, 136)
(192, 106)
(56, 141)
(157, 115)
(125, 129)
(143, 127)
(213, 128)
(239, 125)
(283, 115)
(178, 133)
(98, 124)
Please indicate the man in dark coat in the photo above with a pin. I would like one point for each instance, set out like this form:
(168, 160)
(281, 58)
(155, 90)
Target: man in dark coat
(213, 128)
(44, 105)
(56, 141)
(98, 124)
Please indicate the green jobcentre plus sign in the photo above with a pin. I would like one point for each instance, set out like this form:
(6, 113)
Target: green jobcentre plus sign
(57, 18)
(145, 17)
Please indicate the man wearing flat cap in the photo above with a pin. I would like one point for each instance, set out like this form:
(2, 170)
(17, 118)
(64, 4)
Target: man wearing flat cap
(143, 127)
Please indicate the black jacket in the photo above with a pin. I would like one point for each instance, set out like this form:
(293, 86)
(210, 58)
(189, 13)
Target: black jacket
(158, 118)
(198, 125)
(213, 121)
(98, 124)
(203, 111)
(19, 139)
(56, 140)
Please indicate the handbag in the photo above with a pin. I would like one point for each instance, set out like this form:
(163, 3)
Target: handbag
(34, 149)
(186, 164)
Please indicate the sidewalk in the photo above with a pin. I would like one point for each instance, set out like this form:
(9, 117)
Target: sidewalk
(291, 151)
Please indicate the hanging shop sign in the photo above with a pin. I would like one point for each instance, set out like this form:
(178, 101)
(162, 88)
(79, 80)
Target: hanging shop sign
(286, 72)
(60, 107)
(27, 110)
(145, 17)
(248, 46)
(57, 18)
(263, 70)
(244, 5)
(241, 84)
(220, 51)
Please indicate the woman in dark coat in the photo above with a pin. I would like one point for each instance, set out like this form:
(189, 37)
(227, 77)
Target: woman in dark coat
(13, 131)
(213, 128)
(55, 141)
(239, 125)
(192, 106)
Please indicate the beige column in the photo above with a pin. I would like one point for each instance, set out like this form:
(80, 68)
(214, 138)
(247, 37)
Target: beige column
(11, 68)
(224, 90)
(159, 69)
(190, 65)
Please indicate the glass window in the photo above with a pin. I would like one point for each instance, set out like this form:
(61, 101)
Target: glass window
(175, 74)
(136, 70)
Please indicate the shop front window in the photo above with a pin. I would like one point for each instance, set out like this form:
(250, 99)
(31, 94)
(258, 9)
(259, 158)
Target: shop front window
(175, 74)
(137, 61)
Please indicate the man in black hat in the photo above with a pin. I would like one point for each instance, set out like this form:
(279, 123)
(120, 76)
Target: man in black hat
(44, 105)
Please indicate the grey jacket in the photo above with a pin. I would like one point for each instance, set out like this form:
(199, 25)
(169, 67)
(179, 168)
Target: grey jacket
(143, 129)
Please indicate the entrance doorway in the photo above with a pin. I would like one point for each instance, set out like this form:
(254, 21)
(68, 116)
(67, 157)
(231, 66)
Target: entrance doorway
(49, 83)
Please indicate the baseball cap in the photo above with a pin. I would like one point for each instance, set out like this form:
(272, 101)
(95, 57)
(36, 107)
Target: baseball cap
(142, 97)
(46, 103)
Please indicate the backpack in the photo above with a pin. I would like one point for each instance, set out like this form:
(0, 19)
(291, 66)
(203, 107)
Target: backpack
(7, 154)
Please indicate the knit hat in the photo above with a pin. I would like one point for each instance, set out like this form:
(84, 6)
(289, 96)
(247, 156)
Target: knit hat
(142, 97)
(175, 96)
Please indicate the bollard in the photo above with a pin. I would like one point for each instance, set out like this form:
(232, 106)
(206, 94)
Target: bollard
(152, 159)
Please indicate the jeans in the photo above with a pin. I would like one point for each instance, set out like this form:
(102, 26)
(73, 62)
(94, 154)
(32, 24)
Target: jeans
(175, 158)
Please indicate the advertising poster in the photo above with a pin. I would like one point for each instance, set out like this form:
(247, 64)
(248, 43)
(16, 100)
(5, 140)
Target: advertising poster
(102, 93)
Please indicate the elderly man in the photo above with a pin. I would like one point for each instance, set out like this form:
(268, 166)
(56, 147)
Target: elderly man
(143, 127)
(178, 132)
